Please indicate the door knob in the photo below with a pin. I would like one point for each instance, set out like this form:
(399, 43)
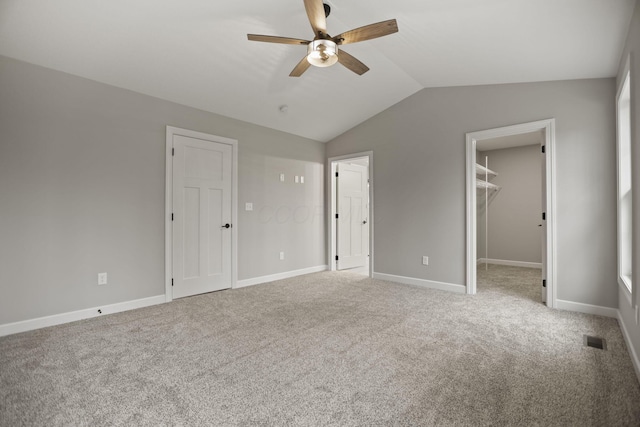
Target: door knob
(226, 226)
(364, 222)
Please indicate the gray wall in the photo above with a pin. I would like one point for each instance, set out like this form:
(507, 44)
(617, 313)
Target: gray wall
(419, 178)
(632, 46)
(82, 181)
(514, 212)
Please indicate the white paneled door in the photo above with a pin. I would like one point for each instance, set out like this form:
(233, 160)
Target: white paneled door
(202, 194)
(353, 209)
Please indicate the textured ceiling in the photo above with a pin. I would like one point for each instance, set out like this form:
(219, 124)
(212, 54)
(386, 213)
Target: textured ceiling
(196, 52)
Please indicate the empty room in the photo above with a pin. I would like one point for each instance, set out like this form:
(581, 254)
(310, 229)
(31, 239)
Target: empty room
(309, 213)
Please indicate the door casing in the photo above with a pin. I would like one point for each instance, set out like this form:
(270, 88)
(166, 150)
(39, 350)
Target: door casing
(548, 129)
(332, 206)
(168, 238)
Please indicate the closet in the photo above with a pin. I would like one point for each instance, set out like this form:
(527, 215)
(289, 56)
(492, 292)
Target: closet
(508, 208)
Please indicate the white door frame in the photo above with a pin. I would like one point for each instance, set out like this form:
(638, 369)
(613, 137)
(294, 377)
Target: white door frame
(548, 128)
(168, 227)
(332, 206)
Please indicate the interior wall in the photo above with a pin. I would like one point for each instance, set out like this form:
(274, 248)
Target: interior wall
(514, 212)
(82, 184)
(419, 175)
(632, 47)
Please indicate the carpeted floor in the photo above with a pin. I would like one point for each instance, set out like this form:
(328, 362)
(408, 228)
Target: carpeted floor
(326, 349)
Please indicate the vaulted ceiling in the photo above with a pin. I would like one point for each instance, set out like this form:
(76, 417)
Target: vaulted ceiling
(196, 52)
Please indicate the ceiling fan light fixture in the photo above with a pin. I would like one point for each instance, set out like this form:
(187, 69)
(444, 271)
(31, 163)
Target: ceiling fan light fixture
(322, 53)
(323, 50)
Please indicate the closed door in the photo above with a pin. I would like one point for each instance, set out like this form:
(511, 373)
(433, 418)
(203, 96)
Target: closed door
(352, 224)
(202, 185)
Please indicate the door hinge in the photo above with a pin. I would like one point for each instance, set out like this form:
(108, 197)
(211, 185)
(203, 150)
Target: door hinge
(336, 257)
(544, 283)
(336, 174)
(543, 148)
(172, 281)
(173, 151)
(544, 216)
(336, 216)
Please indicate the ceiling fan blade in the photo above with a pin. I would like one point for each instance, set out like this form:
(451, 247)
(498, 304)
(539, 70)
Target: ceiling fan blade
(302, 66)
(352, 63)
(317, 18)
(276, 39)
(368, 32)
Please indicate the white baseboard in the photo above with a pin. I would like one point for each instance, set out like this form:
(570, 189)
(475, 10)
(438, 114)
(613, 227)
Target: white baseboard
(632, 350)
(72, 316)
(279, 276)
(510, 263)
(421, 282)
(586, 308)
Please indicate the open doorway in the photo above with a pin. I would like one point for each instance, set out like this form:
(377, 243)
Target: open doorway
(510, 213)
(351, 213)
(508, 209)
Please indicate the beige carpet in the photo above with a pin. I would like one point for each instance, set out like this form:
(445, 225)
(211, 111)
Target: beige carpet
(326, 349)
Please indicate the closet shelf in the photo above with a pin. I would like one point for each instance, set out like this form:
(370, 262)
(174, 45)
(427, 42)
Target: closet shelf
(486, 185)
(481, 170)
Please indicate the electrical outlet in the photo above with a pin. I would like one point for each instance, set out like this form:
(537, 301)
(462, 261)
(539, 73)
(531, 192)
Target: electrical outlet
(248, 206)
(425, 260)
(281, 256)
(102, 278)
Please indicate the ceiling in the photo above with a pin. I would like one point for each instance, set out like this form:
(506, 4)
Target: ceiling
(196, 52)
(510, 141)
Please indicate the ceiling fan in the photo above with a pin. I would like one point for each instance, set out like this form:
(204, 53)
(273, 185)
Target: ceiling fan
(323, 50)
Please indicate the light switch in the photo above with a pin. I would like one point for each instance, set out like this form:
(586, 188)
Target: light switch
(297, 179)
(281, 177)
(248, 206)
(302, 180)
